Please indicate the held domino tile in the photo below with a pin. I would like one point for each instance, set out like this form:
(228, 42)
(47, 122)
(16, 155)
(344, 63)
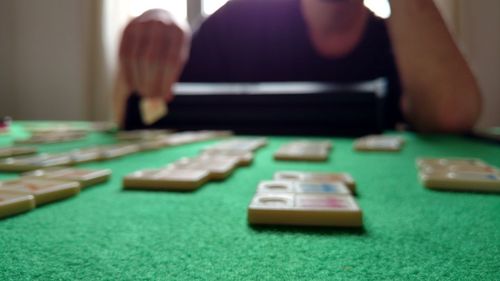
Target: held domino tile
(152, 109)
(302, 209)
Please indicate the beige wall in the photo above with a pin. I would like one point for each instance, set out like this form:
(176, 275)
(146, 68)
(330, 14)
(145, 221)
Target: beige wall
(46, 59)
(6, 91)
(476, 27)
(449, 9)
(479, 25)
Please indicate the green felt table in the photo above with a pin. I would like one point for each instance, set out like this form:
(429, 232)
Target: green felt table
(410, 233)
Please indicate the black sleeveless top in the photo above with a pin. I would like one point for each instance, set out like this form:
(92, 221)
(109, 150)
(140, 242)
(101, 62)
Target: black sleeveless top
(267, 40)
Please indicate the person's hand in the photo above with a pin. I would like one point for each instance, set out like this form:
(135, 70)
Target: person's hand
(153, 51)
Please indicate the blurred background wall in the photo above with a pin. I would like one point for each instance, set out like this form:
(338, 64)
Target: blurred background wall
(57, 56)
(42, 54)
(479, 25)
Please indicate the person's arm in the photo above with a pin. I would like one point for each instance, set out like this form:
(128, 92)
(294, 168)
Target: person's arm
(440, 92)
(120, 94)
(153, 50)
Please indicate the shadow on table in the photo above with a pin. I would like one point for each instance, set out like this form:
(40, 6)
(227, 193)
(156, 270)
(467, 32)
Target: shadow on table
(312, 230)
(159, 190)
(467, 192)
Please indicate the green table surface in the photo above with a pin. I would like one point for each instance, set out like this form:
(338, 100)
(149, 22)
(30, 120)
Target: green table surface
(410, 233)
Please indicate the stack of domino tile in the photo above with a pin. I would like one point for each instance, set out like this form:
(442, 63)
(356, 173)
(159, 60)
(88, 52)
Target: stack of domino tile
(40, 187)
(306, 199)
(459, 174)
(187, 174)
(17, 161)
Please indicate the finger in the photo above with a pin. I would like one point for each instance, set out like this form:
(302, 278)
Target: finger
(140, 37)
(176, 58)
(172, 65)
(173, 54)
(124, 56)
(155, 58)
(163, 69)
(130, 55)
(125, 42)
